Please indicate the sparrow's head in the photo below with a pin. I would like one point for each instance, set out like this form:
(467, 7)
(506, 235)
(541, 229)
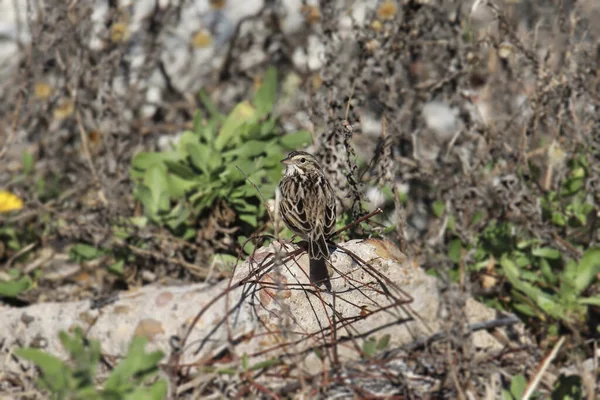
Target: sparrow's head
(300, 162)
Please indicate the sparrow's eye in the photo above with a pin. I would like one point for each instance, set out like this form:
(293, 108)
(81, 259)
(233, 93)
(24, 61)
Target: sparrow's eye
(302, 160)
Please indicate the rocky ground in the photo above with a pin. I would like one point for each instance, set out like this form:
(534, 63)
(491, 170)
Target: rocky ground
(472, 125)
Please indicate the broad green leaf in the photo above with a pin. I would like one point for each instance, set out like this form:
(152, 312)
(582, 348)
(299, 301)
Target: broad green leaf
(264, 99)
(200, 154)
(558, 219)
(249, 218)
(370, 347)
(28, 162)
(85, 252)
(587, 269)
(178, 187)
(546, 252)
(117, 267)
(506, 395)
(249, 149)
(438, 207)
(144, 160)
(517, 386)
(180, 169)
(296, 140)
(525, 309)
(247, 245)
(455, 250)
(241, 114)
(155, 179)
(510, 269)
(14, 287)
(590, 301)
(383, 342)
(53, 369)
(547, 272)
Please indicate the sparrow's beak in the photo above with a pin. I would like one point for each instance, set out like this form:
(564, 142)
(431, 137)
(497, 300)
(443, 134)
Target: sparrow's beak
(286, 161)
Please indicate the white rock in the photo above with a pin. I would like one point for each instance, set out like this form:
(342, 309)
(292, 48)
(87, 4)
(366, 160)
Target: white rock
(269, 311)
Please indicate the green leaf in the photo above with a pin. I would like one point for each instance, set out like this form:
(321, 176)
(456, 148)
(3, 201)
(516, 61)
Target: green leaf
(248, 246)
(383, 343)
(136, 364)
(438, 208)
(517, 386)
(155, 179)
(369, 347)
(558, 219)
(587, 269)
(179, 187)
(144, 160)
(264, 99)
(590, 301)
(117, 267)
(546, 252)
(455, 250)
(249, 218)
(28, 162)
(200, 155)
(249, 149)
(54, 371)
(15, 287)
(85, 252)
(180, 169)
(296, 140)
(547, 272)
(229, 134)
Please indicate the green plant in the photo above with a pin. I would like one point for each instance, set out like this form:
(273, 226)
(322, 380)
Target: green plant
(560, 297)
(546, 284)
(76, 378)
(518, 384)
(203, 169)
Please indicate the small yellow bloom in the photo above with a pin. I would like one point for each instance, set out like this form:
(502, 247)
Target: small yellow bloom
(64, 109)
(42, 90)
(119, 32)
(387, 10)
(201, 39)
(376, 25)
(9, 202)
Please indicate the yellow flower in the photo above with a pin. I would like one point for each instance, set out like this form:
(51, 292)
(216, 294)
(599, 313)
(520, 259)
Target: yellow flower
(64, 109)
(42, 90)
(387, 10)
(9, 202)
(376, 25)
(201, 39)
(119, 32)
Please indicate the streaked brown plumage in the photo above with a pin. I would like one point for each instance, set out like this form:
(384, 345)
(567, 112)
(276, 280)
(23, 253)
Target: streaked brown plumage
(307, 207)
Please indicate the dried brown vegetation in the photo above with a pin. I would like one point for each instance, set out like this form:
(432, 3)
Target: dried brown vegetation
(483, 113)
